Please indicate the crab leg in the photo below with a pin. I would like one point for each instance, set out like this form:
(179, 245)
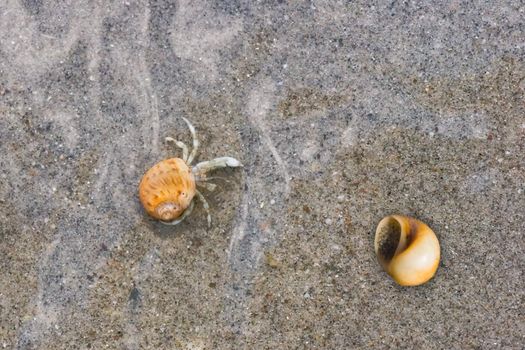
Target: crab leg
(181, 145)
(206, 178)
(205, 205)
(207, 185)
(195, 142)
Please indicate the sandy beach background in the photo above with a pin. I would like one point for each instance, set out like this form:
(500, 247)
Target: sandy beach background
(342, 112)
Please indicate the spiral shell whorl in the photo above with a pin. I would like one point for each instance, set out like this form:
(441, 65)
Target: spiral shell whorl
(168, 211)
(407, 249)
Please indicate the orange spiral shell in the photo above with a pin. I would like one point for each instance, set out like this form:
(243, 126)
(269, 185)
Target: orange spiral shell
(167, 189)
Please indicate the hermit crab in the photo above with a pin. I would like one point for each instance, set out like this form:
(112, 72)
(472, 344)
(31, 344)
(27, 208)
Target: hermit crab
(407, 249)
(167, 190)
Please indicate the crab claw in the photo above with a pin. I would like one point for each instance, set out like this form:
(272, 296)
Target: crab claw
(232, 162)
(222, 162)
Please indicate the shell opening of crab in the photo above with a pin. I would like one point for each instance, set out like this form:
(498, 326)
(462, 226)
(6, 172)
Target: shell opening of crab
(389, 234)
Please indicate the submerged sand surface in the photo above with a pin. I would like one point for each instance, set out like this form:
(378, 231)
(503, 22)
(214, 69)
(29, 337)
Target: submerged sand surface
(341, 112)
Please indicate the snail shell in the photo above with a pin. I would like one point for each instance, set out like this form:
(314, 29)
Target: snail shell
(407, 249)
(167, 189)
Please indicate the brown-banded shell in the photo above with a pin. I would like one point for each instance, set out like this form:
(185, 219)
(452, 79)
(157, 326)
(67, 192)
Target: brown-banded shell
(407, 249)
(167, 189)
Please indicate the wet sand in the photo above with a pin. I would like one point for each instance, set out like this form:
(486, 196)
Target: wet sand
(341, 114)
